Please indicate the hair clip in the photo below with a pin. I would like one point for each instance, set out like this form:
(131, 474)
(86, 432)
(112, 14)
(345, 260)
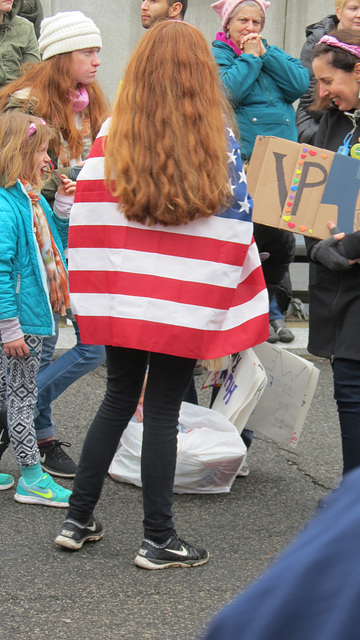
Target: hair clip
(32, 128)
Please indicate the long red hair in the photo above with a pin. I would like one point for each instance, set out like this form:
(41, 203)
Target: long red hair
(48, 83)
(166, 153)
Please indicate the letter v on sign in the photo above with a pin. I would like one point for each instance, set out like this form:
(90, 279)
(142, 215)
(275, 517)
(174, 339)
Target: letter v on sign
(311, 169)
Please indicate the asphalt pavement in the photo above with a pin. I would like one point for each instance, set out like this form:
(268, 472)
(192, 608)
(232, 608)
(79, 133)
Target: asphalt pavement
(50, 594)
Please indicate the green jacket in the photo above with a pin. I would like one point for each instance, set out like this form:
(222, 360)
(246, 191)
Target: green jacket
(18, 45)
(31, 10)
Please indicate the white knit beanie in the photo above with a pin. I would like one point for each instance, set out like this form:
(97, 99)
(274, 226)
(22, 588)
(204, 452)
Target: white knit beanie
(67, 31)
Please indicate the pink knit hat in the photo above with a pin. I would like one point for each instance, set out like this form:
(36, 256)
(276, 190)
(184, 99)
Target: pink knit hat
(224, 8)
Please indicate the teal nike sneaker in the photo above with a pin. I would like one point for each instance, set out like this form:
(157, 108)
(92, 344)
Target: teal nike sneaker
(6, 481)
(44, 491)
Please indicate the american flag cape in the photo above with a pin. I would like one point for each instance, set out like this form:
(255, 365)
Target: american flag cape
(194, 290)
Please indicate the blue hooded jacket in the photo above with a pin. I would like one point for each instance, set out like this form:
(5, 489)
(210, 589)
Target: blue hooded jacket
(23, 283)
(261, 91)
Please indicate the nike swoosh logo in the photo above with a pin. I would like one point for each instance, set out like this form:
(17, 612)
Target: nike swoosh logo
(178, 552)
(92, 528)
(42, 458)
(1, 436)
(43, 495)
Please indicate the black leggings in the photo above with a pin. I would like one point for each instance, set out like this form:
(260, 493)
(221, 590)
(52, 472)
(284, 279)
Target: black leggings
(168, 377)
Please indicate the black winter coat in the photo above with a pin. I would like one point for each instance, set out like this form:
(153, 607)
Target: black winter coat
(334, 311)
(307, 121)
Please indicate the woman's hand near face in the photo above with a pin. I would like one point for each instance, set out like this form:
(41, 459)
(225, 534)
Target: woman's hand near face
(252, 43)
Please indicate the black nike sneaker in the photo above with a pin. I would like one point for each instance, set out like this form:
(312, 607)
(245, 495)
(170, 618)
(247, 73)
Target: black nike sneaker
(55, 460)
(73, 534)
(173, 553)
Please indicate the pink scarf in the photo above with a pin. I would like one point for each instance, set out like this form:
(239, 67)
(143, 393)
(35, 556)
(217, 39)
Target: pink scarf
(222, 37)
(80, 98)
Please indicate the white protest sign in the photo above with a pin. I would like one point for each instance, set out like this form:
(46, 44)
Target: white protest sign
(291, 383)
(245, 382)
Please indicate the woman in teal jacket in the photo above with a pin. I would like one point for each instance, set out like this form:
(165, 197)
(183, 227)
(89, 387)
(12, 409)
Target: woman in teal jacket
(262, 81)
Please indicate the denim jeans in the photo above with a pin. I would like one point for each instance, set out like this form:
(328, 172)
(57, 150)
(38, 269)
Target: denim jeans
(168, 377)
(274, 311)
(347, 395)
(55, 377)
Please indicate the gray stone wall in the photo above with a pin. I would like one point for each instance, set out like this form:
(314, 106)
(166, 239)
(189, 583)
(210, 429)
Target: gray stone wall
(119, 23)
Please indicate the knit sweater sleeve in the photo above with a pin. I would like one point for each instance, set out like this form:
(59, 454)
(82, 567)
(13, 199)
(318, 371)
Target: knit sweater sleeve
(10, 330)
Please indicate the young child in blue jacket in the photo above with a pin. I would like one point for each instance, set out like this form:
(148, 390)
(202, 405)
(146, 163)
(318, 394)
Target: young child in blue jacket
(33, 285)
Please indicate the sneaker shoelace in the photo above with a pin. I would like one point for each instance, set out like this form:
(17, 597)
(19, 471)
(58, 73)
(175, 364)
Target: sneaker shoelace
(57, 451)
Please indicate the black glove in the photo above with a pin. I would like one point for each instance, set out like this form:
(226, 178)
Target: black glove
(349, 246)
(327, 253)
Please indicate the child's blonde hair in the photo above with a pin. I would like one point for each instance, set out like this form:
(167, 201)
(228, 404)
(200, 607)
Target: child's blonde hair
(17, 147)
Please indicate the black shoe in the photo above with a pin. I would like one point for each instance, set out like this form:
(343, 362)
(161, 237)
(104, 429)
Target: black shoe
(55, 460)
(4, 435)
(173, 553)
(73, 534)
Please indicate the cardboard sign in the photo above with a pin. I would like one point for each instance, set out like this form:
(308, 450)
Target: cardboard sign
(300, 187)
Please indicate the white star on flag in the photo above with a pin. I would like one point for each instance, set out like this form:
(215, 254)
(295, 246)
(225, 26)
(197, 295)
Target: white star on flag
(244, 206)
(231, 133)
(232, 156)
(232, 187)
(242, 175)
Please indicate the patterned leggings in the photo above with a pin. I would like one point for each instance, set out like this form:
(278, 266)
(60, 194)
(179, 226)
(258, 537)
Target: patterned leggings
(18, 390)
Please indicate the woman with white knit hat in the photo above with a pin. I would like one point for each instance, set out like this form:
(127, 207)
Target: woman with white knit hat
(62, 89)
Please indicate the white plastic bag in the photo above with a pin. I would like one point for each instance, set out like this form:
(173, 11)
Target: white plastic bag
(210, 452)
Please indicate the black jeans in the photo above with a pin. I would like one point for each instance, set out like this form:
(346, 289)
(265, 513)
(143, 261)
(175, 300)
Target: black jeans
(168, 377)
(347, 395)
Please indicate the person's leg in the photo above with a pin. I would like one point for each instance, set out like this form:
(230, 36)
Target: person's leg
(278, 324)
(6, 480)
(347, 395)
(125, 375)
(161, 547)
(34, 487)
(43, 424)
(21, 400)
(274, 311)
(190, 394)
(54, 377)
(168, 377)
